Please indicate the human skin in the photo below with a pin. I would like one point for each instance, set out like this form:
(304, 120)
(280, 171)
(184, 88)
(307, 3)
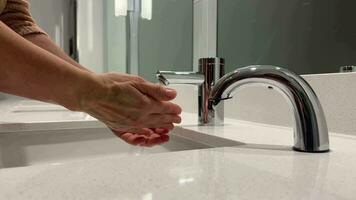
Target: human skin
(137, 111)
(153, 137)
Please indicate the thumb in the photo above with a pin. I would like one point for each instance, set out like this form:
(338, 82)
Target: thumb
(156, 91)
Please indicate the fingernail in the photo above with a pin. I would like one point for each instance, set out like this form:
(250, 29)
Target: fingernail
(170, 93)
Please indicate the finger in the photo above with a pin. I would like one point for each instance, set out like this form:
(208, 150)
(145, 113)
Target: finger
(122, 77)
(158, 119)
(138, 131)
(153, 140)
(168, 127)
(164, 138)
(156, 91)
(165, 108)
(160, 131)
(133, 139)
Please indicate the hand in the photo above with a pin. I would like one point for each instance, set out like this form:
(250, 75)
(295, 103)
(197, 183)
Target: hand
(153, 136)
(131, 106)
(156, 137)
(121, 77)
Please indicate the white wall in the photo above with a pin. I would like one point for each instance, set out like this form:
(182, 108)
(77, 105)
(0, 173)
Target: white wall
(166, 41)
(115, 39)
(205, 30)
(91, 34)
(53, 17)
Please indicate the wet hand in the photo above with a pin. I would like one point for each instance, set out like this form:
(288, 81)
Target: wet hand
(136, 110)
(152, 138)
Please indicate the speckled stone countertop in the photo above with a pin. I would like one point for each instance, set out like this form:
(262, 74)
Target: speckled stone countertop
(259, 164)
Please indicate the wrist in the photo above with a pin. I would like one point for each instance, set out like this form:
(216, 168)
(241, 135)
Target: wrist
(79, 90)
(90, 89)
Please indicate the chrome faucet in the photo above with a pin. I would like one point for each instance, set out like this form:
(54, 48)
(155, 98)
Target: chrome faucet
(210, 71)
(310, 129)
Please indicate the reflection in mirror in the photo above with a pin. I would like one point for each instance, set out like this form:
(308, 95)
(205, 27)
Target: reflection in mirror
(166, 41)
(164, 35)
(305, 36)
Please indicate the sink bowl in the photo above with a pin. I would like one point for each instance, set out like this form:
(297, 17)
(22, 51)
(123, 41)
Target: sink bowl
(34, 112)
(59, 146)
(33, 133)
(29, 115)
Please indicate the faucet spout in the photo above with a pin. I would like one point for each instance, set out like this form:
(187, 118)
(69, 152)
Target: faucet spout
(170, 77)
(310, 129)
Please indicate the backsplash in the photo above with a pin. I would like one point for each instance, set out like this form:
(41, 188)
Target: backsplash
(261, 105)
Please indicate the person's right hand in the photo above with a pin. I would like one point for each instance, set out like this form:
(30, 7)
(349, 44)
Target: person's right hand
(126, 106)
(154, 137)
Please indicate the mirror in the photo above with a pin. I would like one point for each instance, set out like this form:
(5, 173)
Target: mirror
(165, 37)
(305, 36)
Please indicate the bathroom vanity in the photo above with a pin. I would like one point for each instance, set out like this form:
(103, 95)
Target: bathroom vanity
(48, 152)
(239, 160)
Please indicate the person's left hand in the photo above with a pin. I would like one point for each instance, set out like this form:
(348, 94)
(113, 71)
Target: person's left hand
(155, 137)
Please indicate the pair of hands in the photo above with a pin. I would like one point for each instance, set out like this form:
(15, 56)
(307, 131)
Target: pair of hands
(137, 111)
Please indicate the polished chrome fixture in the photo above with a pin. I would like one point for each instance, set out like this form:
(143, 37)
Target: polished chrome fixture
(310, 129)
(210, 71)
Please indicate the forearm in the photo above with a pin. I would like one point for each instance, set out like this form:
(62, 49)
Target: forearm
(47, 44)
(30, 71)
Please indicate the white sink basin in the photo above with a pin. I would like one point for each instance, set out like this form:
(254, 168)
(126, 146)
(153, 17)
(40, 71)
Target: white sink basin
(61, 146)
(28, 115)
(33, 132)
(97, 165)
(28, 111)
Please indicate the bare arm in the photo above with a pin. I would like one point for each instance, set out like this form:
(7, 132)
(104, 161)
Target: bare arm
(29, 71)
(127, 106)
(33, 66)
(17, 17)
(46, 43)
